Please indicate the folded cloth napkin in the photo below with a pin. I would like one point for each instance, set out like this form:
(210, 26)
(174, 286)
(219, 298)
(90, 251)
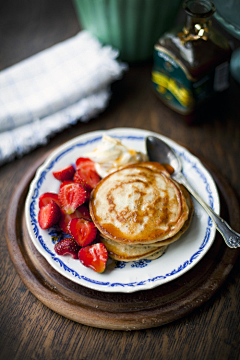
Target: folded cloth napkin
(53, 89)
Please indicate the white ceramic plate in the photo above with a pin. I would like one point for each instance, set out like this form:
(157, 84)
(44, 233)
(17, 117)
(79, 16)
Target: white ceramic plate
(180, 257)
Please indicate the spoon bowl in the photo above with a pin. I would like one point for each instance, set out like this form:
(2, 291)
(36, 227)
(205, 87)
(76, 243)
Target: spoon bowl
(161, 152)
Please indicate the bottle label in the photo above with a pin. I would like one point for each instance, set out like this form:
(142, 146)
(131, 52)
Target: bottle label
(177, 88)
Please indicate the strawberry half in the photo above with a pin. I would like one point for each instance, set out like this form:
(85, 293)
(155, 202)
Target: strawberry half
(82, 162)
(83, 231)
(94, 256)
(79, 179)
(88, 177)
(71, 195)
(47, 197)
(65, 174)
(80, 212)
(86, 173)
(67, 246)
(49, 215)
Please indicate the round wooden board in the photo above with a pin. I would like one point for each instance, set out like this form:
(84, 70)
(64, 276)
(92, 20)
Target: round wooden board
(120, 311)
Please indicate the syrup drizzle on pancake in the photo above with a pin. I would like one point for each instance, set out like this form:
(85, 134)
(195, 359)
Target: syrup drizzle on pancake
(138, 204)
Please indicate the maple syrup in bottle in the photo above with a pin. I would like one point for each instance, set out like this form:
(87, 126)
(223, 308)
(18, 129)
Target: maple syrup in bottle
(191, 63)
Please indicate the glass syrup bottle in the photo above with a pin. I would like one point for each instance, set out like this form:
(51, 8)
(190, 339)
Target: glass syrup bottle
(191, 63)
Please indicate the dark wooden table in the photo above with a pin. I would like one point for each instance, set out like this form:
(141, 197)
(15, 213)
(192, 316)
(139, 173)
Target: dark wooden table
(29, 329)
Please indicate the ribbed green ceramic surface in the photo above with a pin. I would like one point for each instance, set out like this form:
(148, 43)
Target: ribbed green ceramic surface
(132, 26)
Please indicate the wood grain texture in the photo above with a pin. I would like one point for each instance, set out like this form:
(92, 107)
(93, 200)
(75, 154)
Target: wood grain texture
(28, 328)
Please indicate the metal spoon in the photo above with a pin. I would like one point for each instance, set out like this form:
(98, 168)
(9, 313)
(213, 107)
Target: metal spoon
(161, 152)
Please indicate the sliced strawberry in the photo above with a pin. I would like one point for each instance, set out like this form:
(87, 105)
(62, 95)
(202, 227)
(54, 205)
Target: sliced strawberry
(88, 177)
(86, 173)
(85, 162)
(65, 174)
(80, 212)
(94, 256)
(71, 195)
(67, 246)
(47, 197)
(49, 215)
(83, 231)
(83, 212)
(79, 179)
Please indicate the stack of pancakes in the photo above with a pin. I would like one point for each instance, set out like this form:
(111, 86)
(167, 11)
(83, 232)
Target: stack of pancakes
(139, 210)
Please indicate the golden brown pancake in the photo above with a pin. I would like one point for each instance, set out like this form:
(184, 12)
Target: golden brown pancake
(155, 166)
(123, 252)
(185, 226)
(126, 252)
(157, 254)
(139, 204)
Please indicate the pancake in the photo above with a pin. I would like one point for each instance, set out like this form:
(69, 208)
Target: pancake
(157, 254)
(132, 253)
(139, 204)
(185, 226)
(124, 252)
(155, 166)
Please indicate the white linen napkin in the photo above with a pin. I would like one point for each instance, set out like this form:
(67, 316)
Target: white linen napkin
(53, 89)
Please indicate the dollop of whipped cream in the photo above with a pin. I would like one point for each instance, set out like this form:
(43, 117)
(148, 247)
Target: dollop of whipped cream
(111, 155)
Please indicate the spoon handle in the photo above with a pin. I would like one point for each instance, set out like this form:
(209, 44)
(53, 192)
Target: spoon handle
(231, 237)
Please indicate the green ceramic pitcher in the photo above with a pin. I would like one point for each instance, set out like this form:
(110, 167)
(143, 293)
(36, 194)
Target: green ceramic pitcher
(131, 26)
